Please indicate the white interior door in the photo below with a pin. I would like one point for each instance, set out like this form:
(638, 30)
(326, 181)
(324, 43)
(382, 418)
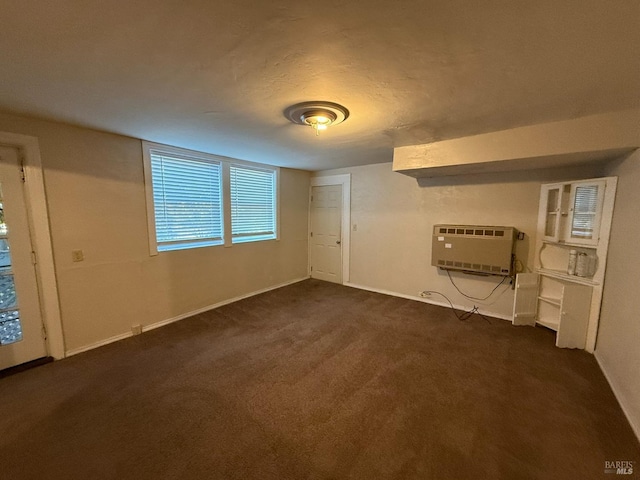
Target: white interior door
(21, 328)
(326, 233)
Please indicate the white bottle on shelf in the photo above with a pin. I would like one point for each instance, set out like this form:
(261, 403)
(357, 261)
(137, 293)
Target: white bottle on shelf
(573, 258)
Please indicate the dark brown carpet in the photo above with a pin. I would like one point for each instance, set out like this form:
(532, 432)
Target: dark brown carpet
(317, 381)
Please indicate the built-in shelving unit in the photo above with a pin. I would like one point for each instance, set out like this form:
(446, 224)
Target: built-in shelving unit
(574, 220)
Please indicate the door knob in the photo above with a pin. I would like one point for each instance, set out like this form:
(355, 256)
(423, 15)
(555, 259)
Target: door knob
(338, 242)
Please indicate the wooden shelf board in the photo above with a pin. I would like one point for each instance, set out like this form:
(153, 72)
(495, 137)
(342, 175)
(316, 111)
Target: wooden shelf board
(551, 300)
(549, 324)
(570, 245)
(561, 275)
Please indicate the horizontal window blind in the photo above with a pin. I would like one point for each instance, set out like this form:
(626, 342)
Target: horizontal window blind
(253, 204)
(584, 208)
(187, 196)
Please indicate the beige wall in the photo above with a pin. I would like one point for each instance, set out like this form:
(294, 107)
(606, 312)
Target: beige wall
(394, 214)
(618, 347)
(95, 193)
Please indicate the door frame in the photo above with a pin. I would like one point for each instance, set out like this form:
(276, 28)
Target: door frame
(345, 181)
(36, 202)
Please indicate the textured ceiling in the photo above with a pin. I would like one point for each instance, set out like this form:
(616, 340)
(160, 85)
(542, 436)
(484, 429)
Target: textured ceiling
(216, 76)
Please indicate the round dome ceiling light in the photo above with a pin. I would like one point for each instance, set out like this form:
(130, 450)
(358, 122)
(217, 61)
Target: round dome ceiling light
(317, 115)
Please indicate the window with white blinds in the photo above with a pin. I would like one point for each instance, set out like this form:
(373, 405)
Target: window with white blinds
(187, 199)
(196, 199)
(253, 203)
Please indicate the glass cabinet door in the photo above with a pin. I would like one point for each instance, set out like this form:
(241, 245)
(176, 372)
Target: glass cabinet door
(553, 214)
(586, 211)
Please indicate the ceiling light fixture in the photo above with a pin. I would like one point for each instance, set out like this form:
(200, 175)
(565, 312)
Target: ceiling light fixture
(317, 115)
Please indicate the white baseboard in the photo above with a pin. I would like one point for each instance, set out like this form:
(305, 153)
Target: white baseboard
(162, 323)
(425, 300)
(635, 423)
(101, 343)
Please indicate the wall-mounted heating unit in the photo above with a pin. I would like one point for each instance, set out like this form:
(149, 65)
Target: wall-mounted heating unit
(474, 248)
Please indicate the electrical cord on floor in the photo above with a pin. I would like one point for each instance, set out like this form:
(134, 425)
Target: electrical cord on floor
(475, 311)
(464, 316)
(469, 296)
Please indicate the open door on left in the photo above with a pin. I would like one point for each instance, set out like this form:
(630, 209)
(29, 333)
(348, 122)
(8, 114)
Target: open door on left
(22, 337)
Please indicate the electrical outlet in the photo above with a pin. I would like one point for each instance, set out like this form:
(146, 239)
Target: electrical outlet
(77, 255)
(136, 329)
(355, 227)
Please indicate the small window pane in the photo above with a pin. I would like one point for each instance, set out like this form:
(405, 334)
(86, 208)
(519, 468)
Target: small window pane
(552, 199)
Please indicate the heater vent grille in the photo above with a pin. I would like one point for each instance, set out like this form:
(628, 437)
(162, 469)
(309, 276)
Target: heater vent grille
(488, 232)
